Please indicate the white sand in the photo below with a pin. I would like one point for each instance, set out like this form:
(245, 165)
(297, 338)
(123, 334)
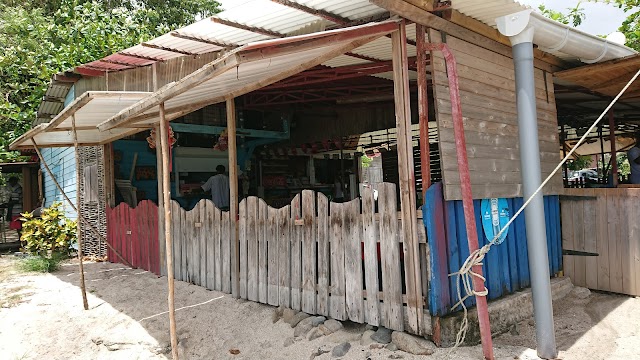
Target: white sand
(49, 322)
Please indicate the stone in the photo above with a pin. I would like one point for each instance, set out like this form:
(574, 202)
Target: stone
(392, 347)
(382, 335)
(288, 314)
(370, 327)
(580, 292)
(303, 327)
(396, 356)
(314, 334)
(319, 351)
(514, 330)
(366, 340)
(375, 346)
(318, 320)
(297, 318)
(411, 344)
(341, 336)
(277, 314)
(532, 322)
(340, 350)
(288, 342)
(333, 325)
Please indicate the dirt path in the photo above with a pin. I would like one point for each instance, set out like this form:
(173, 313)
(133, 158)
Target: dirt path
(42, 317)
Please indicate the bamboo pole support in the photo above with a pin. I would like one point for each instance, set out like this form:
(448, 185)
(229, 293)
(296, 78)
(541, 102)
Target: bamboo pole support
(166, 192)
(73, 206)
(233, 195)
(78, 208)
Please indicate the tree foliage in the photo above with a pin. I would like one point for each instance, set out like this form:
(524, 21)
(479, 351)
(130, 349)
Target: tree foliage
(574, 16)
(42, 38)
(630, 26)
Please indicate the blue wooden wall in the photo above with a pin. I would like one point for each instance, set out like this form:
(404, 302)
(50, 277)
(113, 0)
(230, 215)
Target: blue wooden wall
(506, 266)
(62, 162)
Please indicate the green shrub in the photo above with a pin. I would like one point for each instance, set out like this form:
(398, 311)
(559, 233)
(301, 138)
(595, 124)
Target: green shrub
(41, 263)
(50, 236)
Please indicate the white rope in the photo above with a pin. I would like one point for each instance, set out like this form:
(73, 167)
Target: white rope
(466, 274)
(182, 308)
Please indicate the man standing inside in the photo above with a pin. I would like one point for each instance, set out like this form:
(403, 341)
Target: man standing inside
(14, 190)
(218, 184)
(634, 161)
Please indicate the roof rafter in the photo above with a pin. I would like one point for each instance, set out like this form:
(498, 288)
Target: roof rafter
(316, 12)
(204, 41)
(253, 29)
(142, 57)
(163, 48)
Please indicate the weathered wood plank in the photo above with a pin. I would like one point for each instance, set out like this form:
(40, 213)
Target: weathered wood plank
(262, 223)
(296, 253)
(590, 243)
(209, 228)
(242, 236)
(176, 241)
(216, 231)
(579, 244)
(284, 256)
(324, 259)
(351, 236)
(337, 308)
(634, 238)
(308, 252)
(251, 239)
(225, 245)
(615, 261)
(272, 239)
(369, 235)
(203, 236)
(624, 243)
(390, 257)
(603, 241)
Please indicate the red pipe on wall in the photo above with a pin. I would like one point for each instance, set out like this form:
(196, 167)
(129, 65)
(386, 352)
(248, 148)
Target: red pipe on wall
(465, 185)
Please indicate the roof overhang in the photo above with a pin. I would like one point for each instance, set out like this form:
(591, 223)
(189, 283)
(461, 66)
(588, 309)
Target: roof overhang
(246, 69)
(89, 110)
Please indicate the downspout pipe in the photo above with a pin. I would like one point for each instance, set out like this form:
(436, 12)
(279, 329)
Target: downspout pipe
(551, 36)
(522, 42)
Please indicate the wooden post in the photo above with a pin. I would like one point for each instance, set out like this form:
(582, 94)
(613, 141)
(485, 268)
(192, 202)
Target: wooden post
(166, 192)
(423, 109)
(78, 209)
(565, 169)
(407, 179)
(614, 155)
(27, 189)
(159, 170)
(73, 206)
(233, 197)
(604, 169)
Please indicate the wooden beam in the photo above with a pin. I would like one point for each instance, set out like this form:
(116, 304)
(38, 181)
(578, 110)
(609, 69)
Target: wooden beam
(233, 196)
(119, 63)
(423, 108)
(141, 57)
(253, 29)
(163, 48)
(588, 70)
(427, 5)
(423, 17)
(316, 12)
(166, 192)
(204, 41)
(407, 178)
(78, 209)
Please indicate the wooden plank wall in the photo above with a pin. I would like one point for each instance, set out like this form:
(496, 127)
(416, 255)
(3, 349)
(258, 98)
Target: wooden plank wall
(602, 221)
(487, 92)
(134, 233)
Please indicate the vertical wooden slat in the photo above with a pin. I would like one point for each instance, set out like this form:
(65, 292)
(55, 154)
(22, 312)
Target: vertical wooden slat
(177, 246)
(579, 244)
(309, 252)
(225, 245)
(160, 216)
(624, 242)
(233, 195)
(262, 222)
(615, 266)
(407, 178)
(337, 308)
(216, 231)
(370, 257)
(566, 214)
(296, 253)
(203, 239)
(390, 253)
(590, 243)
(284, 257)
(323, 255)
(251, 243)
(273, 239)
(602, 234)
(142, 233)
(634, 238)
(439, 299)
(353, 260)
(242, 238)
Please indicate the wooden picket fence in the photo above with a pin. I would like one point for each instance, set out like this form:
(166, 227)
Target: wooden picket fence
(133, 232)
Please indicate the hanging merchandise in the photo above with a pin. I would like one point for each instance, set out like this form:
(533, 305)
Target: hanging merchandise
(223, 141)
(151, 139)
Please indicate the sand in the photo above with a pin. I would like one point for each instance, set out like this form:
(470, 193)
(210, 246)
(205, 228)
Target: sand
(42, 318)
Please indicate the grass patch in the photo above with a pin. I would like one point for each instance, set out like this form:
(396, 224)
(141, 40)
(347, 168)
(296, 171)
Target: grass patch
(41, 264)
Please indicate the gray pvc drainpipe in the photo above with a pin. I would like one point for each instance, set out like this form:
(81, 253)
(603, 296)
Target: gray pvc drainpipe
(531, 180)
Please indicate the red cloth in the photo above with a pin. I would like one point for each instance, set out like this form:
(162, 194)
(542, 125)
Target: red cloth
(15, 223)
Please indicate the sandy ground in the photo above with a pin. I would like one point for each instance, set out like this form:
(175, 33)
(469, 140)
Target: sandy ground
(41, 317)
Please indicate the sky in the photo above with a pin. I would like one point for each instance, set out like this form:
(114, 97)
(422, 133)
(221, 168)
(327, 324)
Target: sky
(601, 19)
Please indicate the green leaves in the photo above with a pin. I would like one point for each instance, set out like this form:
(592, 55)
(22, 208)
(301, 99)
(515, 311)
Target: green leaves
(50, 234)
